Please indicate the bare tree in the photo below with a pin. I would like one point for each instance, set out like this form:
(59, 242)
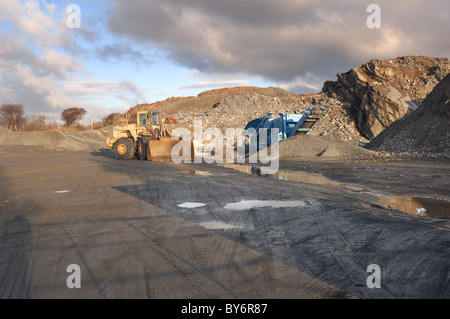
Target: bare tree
(12, 116)
(73, 115)
(35, 123)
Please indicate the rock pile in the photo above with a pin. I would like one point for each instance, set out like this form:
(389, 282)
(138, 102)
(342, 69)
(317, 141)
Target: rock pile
(319, 147)
(338, 122)
(236, 110)
(426, 131)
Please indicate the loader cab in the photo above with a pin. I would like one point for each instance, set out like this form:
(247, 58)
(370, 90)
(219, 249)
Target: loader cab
(142, 119)
(145, 119)
(155, 119)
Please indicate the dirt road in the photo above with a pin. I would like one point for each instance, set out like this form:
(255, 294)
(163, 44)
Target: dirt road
(160, 230)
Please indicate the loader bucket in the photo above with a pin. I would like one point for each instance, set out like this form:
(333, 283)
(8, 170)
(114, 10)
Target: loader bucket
(161, 150)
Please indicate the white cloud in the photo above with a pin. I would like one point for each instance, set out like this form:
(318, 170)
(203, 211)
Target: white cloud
(30, 63)
(31, 19)
(202, 81)
(100, 90)
(303, 84)
(60, 64)
(213, 84)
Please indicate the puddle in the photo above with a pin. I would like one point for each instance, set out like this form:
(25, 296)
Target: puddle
(413, 205)
(282, 175)
(203, 173)
(62, 192)
(216, 225)
(249, 204)
(191, 205)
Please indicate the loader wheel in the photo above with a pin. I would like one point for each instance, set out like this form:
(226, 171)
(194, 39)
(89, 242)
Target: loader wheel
(142, 148)
(123, 148)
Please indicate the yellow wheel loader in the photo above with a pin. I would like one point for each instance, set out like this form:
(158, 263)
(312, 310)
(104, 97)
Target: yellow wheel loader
(148, 139)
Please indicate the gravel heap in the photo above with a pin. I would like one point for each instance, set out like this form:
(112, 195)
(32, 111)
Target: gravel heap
(426, 131)
(319, 147)
(55, 140)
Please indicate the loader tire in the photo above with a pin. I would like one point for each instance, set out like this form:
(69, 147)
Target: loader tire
(124, 148)
(142, 148)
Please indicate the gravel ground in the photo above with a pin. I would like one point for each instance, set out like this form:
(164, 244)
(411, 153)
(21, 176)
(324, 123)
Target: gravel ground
(141, 229)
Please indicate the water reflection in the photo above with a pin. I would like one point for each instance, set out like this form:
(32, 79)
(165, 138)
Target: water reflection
(298, 177)
(419, 206)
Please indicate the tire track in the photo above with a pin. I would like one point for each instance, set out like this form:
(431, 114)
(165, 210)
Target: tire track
(179, 267)
(14, 262)
(190, 268)
(349, 264)
(85, 263)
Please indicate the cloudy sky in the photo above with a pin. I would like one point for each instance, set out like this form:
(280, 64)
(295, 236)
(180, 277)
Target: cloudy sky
(141, 51)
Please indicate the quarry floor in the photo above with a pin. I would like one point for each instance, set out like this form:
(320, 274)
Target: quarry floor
(141, 229)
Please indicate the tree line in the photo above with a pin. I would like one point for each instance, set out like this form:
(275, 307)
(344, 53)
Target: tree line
(13, 117)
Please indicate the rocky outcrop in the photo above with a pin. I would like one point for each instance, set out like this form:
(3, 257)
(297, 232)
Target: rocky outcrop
(383, 91)
(425, 131)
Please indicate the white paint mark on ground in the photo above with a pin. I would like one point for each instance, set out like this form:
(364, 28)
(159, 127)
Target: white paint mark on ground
(191, 205)
(62, 192)
(216, 225)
